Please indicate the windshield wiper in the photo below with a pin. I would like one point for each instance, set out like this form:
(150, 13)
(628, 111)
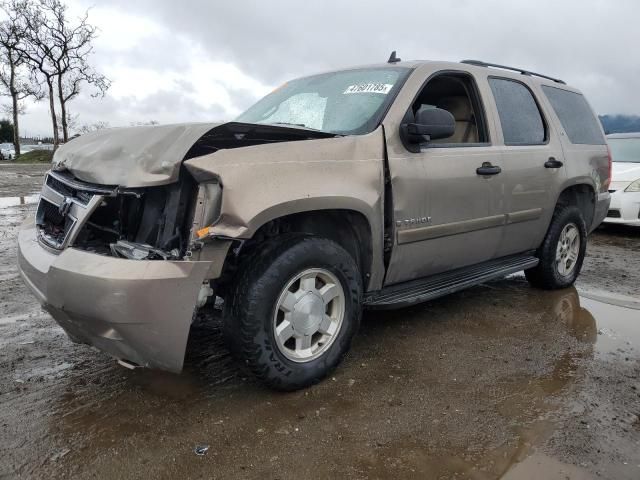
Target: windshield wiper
(300, 125)
(292, 124)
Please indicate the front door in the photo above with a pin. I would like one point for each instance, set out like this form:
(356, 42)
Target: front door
(447, 213)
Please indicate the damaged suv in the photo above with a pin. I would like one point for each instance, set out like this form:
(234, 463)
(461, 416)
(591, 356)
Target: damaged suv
(372, 187)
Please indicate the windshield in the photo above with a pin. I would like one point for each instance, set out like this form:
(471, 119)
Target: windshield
(625, 149)
(349, 102)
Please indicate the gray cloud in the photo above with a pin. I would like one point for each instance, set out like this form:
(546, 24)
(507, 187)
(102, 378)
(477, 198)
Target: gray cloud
(585, 42)
(162, 106)
(589, 43)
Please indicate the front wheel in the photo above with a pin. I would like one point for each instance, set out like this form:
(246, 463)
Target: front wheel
(562, 251)
(294, 310)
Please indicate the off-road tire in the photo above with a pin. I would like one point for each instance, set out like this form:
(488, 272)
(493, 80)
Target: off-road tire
(545, 275)
(248, 319)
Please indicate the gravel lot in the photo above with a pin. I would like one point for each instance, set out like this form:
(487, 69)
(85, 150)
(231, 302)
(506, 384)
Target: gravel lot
(498, 381)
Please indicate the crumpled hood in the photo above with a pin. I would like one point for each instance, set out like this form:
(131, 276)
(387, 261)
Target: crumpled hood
(625, 171)
(130, 157)
(152, 155)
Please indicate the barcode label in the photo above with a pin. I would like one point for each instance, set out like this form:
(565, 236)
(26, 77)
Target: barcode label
(382, 88)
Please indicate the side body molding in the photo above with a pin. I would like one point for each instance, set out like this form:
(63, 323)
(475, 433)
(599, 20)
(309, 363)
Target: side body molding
(453, 228)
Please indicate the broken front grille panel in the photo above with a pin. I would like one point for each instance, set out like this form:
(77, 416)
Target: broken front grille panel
(59, 186)
(53, 226)
(65, 204)
(135, 223)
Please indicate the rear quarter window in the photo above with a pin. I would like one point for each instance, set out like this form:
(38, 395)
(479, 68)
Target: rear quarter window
(575, 115)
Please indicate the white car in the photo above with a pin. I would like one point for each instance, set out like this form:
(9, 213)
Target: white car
(625, 179)
(7, 151)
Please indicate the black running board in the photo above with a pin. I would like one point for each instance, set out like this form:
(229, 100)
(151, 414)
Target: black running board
(424, 289)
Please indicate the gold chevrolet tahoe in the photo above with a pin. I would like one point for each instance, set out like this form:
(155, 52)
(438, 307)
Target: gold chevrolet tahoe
(372, 187)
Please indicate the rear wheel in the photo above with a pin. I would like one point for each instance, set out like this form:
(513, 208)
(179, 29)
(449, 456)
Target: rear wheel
(562, 251)
(294, 310)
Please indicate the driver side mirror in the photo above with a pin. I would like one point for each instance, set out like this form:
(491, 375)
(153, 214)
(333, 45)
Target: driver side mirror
(430, 124)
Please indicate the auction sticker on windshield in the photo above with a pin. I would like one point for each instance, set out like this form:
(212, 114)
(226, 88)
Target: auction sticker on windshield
(383, 88)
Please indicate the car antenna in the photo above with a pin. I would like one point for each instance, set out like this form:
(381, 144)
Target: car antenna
(393, 58)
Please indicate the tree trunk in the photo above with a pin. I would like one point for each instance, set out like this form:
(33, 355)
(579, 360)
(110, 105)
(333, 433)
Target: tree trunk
(63, 111)
(14, 106)
(16, 130)
(52, 108)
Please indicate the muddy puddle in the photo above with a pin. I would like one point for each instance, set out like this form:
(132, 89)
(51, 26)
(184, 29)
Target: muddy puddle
(476, 385)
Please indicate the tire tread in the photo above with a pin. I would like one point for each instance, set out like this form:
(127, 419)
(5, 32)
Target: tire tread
(241, 327)
(544, 275)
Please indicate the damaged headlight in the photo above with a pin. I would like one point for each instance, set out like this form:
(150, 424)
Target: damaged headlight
(207, 209)
(634, 186)
(141, 251)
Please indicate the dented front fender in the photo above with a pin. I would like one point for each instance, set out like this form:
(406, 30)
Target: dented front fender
(264, 182)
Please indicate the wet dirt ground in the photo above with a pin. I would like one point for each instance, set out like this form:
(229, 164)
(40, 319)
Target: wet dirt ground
(499, 381)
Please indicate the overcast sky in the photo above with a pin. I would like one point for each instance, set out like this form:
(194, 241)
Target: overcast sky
(198, 60)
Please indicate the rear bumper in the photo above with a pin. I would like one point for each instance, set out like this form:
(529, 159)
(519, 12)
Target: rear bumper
(626, 205)
(138, 311)
(601, 209)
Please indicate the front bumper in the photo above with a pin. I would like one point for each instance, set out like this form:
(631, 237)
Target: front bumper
(626, 207)
(134, 310)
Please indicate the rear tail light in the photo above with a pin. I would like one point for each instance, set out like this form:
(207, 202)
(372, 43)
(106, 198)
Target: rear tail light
(607, 182)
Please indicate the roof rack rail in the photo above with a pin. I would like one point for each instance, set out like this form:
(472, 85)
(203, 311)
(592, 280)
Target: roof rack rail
(479, 63)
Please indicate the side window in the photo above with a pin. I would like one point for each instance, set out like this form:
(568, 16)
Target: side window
(455, 93)
(575, 115)
(519, 115)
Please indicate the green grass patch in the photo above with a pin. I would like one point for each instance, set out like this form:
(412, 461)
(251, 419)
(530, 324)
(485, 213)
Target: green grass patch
(36, 156)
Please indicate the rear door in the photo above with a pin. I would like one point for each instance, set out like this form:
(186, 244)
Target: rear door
(532, 159)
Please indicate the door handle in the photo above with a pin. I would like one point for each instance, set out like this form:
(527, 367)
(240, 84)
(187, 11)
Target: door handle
(488, 169)
(553, 163)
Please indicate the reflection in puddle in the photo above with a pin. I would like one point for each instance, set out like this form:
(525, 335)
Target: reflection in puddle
(617, 325)
(15, 201)
(611, 323)
(579, 321)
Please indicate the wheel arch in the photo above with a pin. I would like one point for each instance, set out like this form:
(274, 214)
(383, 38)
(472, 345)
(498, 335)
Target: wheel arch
(583, 196)
(350, 228)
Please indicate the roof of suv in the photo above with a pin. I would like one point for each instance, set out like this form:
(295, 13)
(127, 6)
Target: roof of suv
(473, 65)
(624, 135)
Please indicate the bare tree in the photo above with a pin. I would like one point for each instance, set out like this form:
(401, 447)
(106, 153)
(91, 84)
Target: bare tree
(92, 127)
(13, 81)
(7, 110)
(72, 121)
(71, 47)
(36, 47)
(58, 51)
(143, 124)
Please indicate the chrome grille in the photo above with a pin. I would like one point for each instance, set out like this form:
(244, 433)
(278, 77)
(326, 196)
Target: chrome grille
(65, 204)
(68, 191)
